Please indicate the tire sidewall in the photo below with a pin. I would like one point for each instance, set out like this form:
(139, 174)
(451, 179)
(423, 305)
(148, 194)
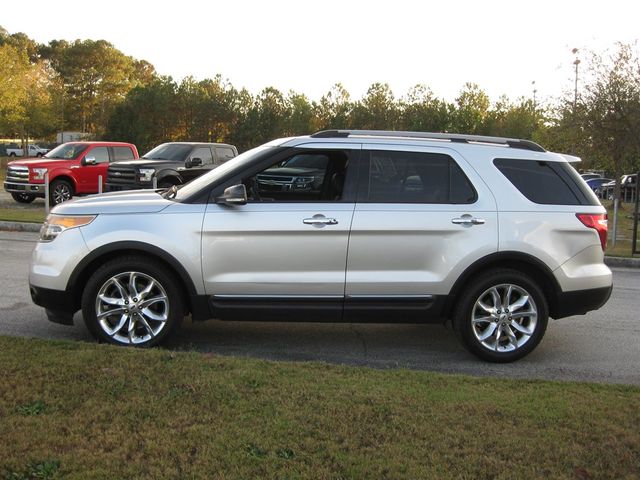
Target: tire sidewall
(127, 264)
(480, 284)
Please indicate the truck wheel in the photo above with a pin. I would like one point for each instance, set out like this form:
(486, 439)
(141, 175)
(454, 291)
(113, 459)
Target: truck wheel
(12, 154)
(38, 154)
(501, 316)
(60, 191)
(166, 183)
(23, 197)
(132, 301)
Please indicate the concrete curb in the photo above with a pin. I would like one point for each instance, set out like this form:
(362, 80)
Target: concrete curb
(35, 227)
(20, 226)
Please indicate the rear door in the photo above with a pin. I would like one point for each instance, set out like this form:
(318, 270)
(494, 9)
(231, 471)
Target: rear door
(423, 215)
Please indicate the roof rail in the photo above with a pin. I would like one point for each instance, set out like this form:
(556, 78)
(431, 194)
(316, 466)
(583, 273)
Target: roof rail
(452, 137)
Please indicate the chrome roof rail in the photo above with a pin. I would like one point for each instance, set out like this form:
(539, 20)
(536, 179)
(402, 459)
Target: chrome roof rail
(452, 137)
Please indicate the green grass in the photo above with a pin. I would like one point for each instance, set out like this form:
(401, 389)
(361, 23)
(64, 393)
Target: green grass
(88, 411)
(22, 215)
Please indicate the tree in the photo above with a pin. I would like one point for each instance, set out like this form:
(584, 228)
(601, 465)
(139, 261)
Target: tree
(471, 109)
(609, 109)
(378, 110)
(423, 112)
(334, 109)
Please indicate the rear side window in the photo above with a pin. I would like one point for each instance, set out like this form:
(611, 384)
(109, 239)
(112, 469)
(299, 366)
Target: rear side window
(547, 183)
(417, 177)
(122, 153)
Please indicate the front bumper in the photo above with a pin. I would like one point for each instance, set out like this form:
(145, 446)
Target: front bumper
(59, 305)
(30, 188)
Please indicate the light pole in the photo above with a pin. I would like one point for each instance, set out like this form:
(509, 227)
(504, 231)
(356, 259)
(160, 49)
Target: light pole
(576, 62)
(533, 84)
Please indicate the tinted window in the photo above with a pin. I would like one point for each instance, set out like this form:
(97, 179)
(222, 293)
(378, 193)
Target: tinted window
(548, 183)
(304, 177)
(101, 154)
(204, 154)
(224, 154)
(416, 177)
(169, 151)
(122, 153)
(67, 151)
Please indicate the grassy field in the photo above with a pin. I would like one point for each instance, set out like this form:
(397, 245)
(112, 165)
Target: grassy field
(78, 410)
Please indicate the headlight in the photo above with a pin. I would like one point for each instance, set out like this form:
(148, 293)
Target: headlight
(56, 224)
(304, 180)
(146, 174)
(39, 173)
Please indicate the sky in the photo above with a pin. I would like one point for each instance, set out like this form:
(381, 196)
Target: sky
(503, 46)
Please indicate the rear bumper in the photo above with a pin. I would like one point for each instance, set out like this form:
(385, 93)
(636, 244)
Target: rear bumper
(30, 188)
(580, 302)
(59, 305)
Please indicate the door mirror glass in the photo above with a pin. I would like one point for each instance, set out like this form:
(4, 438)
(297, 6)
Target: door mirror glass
(89, 160)
(193, 162)
(235, 195)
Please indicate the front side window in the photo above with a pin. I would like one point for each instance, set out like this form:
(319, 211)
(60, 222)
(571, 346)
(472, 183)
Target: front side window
(204, 154)
(416, 177)
(224, 154)
(101, 154)
(317, 176)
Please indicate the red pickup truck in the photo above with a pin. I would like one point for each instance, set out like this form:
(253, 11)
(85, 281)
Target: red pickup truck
(73, 169)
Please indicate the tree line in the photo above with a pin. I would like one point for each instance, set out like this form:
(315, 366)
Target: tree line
(90, 86)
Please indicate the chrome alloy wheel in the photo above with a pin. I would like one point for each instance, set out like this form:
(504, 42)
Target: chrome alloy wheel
(504, 317)
(132, 307)
(61, 193)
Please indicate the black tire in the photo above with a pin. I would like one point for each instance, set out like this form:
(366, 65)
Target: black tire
(39, 155)
(12, 154)
(147, 331)
(60, 190)
(509, 343)
(23, 197)
(166, 183)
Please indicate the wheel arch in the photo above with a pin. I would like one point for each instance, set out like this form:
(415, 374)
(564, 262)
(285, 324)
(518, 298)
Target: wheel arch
(64, 175)
(99, 256)
(172, 175)
(522, 262)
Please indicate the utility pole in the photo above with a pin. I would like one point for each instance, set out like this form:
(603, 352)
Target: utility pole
(576, 62)
(533, 84)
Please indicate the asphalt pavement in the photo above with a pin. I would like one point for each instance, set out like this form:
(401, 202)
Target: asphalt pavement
(602, 346)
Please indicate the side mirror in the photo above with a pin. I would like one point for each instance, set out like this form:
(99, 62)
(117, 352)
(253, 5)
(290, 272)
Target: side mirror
(193, 162)
(235, 195)
(89, 161)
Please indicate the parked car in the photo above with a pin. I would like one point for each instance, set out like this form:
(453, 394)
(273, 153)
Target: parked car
(628, 185)
(169, 164)
(596, 184)
(590, 175)
(33, 150)
(494, 235)
(74, 169)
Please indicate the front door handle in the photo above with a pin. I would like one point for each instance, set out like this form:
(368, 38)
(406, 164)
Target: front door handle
(320, 221)
(467, 220)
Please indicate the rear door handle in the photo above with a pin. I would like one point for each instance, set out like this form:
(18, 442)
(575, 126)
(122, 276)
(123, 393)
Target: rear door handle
(468, 220)
(320, 221)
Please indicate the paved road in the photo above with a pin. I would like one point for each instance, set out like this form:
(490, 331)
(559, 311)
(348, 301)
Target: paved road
(602, 346)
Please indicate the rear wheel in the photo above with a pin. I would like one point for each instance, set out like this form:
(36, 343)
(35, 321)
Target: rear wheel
(12, 154)
(130, 301)
(60, 191)
(23, 197)
(502, 316)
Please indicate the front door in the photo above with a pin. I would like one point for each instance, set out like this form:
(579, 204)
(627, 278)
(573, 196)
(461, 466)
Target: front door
(89, 175)
(284, 253)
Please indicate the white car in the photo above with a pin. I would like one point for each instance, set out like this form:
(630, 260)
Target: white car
(495, 235)
(33, 151)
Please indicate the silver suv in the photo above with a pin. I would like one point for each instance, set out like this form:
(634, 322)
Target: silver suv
(494, 234)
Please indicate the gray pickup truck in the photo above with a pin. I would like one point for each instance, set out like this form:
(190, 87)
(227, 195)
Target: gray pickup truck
(168, 164)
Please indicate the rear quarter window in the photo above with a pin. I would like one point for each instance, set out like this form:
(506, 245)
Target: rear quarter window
(546, 183)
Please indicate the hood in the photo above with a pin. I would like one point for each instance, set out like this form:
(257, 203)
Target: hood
(137, 201)
(291, 171)
(35, 162)
(146, 162)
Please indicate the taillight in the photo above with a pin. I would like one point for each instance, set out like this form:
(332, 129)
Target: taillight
(598, 221)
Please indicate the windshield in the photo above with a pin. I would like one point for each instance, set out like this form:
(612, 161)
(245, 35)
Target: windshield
(169, 151)
(235, 163)
(66, 151)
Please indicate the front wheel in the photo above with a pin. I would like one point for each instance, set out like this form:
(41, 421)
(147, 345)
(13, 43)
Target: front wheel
(502, 316)
(60, 191)
(23, 197)
(130, 301)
